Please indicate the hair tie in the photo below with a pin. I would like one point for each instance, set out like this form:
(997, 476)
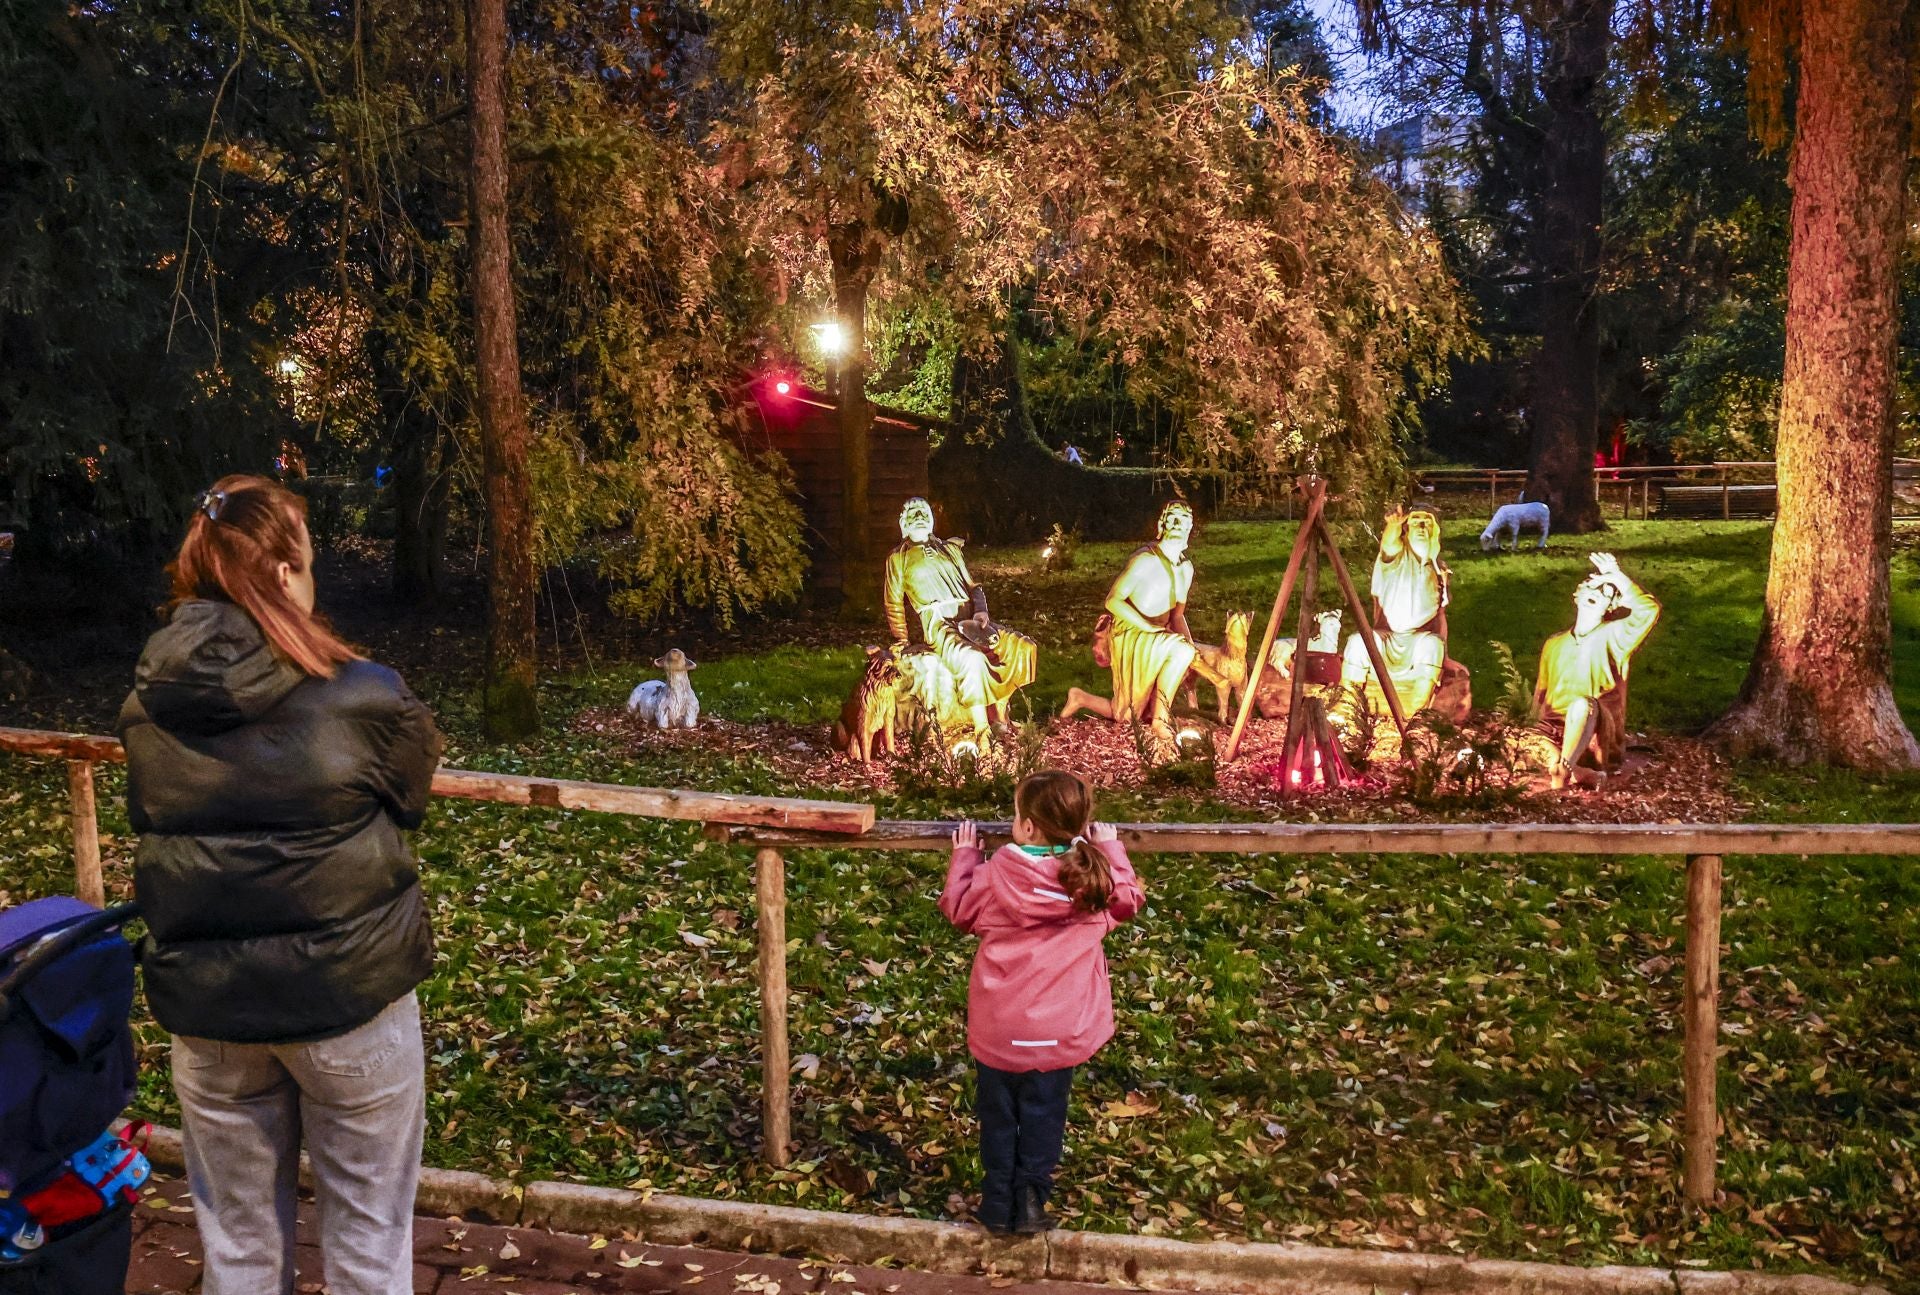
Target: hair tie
(211, 503)
(1078, 840)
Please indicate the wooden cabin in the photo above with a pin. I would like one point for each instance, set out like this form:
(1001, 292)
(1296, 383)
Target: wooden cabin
(801, 424)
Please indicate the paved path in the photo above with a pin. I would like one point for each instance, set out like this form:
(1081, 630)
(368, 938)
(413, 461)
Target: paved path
(453, 1258)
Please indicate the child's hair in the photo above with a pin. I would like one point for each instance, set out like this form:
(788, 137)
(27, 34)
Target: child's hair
(242, 530)
(1060, 805)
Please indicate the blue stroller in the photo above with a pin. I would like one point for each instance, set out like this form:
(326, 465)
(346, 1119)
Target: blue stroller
(68, 1182)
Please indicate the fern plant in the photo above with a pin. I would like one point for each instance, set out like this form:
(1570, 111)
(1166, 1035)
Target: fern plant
(1517, 704)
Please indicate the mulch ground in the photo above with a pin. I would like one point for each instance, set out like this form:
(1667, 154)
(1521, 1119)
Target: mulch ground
(1666, 779)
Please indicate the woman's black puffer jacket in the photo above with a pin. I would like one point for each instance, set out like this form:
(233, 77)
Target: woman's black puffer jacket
(281, 901)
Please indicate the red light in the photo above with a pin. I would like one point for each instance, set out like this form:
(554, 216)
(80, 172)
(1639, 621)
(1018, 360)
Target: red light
(783, 387)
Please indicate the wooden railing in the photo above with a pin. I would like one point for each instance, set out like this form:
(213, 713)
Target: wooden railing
(1635, 487)
(83, 751)
(1703, 846)
(775, 826)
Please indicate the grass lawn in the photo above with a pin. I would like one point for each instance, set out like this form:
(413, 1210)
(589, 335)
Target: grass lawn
(1470, 1054)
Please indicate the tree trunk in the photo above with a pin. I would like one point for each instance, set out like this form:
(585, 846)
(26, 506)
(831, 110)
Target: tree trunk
(421, 485)
(1566, 370)
(853, 262)
(1819, 687)
(507, 699)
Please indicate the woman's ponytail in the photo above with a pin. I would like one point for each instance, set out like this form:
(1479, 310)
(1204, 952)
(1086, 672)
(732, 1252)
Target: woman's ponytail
(1060, 805)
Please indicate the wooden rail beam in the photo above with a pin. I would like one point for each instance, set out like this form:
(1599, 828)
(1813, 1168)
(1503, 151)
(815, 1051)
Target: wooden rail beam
(829, 816)
(1408, 838)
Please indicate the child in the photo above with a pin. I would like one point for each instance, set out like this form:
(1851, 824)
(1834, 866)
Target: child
(1038, 1003)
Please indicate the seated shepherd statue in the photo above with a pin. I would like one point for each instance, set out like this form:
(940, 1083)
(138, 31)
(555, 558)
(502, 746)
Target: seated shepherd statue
(1582, 688)
(929, 587)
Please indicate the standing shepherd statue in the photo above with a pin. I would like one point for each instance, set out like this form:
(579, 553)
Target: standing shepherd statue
(1582, 688)
(1509, 520)
(927, 580)
(1150, 647)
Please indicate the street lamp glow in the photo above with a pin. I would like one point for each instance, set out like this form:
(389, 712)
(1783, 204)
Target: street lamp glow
(831, 334)
(290, 367)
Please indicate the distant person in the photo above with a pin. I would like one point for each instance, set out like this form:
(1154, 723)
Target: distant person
(1039, 1002)
(1073, 455)
(271, 771)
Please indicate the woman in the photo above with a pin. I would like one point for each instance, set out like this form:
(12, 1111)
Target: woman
(270, 773)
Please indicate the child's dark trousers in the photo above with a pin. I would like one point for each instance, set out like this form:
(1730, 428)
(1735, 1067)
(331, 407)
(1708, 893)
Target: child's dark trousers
(1023, 1122)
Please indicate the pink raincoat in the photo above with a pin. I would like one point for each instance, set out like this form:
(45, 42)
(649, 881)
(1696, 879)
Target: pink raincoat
(1039, 998)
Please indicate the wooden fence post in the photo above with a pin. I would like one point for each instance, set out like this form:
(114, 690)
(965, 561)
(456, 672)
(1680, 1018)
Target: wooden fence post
(1700, 1073)
(770, 896)
(88, 884)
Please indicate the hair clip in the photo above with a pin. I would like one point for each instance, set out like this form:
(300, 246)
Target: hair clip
(211, 504)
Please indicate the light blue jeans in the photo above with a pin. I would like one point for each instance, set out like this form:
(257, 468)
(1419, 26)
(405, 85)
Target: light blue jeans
(360, 1101)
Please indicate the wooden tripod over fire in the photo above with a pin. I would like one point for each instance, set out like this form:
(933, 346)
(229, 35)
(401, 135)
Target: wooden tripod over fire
(1310, 755)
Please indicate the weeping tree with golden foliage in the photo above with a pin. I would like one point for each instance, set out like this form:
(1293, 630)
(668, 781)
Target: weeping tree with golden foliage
(1252, 276)
(1820, 689)
(1148, 185)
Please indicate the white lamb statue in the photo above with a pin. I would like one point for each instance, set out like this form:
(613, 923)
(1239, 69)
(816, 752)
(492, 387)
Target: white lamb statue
(669, 702)
(1509, 520)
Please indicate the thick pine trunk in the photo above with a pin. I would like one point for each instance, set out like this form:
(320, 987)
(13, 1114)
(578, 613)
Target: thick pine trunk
(507, 700)
(1566, 371)
(421, 484)
(1819, 687)
(860, 572)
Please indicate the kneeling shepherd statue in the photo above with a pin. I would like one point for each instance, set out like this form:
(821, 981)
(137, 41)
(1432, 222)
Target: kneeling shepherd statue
(927, 579)
(1151, 646)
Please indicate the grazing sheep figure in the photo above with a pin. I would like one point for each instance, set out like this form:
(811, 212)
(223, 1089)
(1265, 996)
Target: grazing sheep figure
(669, 702)
(1509, 520)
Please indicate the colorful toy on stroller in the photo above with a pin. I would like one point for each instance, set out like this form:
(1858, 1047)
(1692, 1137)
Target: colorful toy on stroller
(68, 1180)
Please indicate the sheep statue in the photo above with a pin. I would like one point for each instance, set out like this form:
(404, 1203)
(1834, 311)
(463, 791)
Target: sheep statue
(1509, 520)
(669, 702)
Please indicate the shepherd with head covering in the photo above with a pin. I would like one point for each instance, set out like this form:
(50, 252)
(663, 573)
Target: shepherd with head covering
(1409, 613)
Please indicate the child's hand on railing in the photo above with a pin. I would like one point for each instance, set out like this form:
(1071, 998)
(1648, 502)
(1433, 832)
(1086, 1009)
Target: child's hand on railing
(966, 836)
(1102, 832)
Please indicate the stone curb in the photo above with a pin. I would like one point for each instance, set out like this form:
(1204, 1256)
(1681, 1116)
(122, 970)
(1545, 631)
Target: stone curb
(1153, 1263)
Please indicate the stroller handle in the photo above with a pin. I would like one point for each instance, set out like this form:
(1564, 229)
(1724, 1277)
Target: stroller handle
(56, 944)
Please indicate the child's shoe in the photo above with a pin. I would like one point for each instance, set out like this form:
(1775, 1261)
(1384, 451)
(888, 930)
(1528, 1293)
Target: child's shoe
(1030, 1217)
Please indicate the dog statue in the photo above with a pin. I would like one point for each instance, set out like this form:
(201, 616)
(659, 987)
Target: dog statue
(1509, 520)
(1225, 666)
(870, 712)
(669, 702)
